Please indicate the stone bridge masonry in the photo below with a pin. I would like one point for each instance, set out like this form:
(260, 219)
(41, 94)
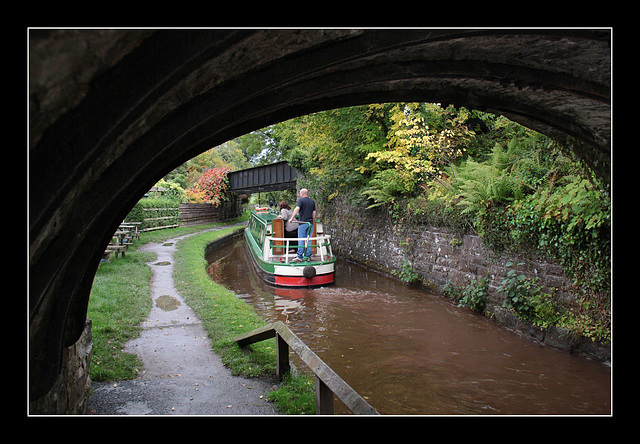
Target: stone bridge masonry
(111, 111)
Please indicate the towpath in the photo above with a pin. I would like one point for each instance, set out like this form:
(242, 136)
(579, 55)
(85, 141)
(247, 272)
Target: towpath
(182, 374)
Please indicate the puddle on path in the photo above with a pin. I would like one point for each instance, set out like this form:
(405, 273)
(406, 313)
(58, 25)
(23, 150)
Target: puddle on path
(167, 303)
(163, 263)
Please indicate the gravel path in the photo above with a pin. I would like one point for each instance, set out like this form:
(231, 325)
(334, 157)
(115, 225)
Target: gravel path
(183, 375)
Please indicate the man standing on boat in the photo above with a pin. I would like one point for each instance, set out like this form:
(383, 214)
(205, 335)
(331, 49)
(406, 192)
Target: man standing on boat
(307, 209)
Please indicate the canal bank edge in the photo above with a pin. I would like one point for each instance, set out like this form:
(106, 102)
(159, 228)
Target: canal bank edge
(439, 257)
(485, 263)
(223, 241)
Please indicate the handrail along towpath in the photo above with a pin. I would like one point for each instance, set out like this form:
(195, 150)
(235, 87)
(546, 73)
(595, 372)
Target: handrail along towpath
(328, 383)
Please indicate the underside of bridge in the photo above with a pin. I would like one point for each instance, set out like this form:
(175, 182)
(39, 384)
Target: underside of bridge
(112, 111)
(273, 177)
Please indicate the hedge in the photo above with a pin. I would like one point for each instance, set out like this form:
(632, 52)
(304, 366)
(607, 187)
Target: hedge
(155, 213)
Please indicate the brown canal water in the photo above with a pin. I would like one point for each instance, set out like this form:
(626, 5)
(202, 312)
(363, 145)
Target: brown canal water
(409, 352)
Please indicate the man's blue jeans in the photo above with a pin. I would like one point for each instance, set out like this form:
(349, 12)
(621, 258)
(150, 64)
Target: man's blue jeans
(303, 232)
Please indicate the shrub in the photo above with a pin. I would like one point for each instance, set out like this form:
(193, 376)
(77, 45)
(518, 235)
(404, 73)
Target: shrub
(170, 190)
(518, 292)
(407, 273)
(530, 303)
(210, 187)
(148, 209)
(475, 295)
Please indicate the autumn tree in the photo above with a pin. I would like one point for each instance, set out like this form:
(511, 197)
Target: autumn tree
(210, 188)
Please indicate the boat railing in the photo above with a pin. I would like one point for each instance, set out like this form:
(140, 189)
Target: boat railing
(328, 383)
(323, 243)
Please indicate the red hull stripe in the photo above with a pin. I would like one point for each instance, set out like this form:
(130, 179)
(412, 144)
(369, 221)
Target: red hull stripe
(301, 281)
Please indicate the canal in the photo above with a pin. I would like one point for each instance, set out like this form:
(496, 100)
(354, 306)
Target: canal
(409, 352)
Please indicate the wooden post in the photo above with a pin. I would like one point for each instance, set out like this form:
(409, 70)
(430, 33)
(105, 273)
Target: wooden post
(324, 398)
(282, 356)
(314, 234)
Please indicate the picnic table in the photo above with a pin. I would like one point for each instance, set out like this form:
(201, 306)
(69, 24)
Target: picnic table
(122, 238)
(113, 248)
(121, 235)
(134, 227)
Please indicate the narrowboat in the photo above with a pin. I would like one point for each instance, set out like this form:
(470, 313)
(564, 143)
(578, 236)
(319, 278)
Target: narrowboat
(272, 253)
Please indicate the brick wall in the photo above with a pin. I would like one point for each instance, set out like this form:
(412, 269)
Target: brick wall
(70, 393)
(438, 256)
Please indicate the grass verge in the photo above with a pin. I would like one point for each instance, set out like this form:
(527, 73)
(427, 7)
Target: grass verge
(120, 301)
(296, 395)
(225, 316)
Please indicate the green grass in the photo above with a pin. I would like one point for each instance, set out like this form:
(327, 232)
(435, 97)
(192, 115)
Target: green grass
(170, 233)
(296, 395)
(121, 300)
(225, 316)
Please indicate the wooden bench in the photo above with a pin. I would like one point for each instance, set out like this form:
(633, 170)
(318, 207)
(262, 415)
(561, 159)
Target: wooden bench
(117, 249)
(122, 238)
(133, 227)
(119, 243)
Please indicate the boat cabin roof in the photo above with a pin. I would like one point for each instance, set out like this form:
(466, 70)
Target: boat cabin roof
(264, 214)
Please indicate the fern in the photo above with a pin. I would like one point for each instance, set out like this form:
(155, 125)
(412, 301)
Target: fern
(379, 197)
(385, 187)
(479, 185)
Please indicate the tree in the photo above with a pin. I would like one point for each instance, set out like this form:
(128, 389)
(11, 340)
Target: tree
(422, 140)
(331, 145)
(260, 147)
(210, 187)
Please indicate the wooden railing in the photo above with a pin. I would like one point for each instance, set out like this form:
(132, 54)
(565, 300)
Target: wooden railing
(328, 383)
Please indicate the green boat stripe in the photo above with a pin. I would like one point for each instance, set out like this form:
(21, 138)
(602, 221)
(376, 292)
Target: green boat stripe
(270, 266)
(257, 253)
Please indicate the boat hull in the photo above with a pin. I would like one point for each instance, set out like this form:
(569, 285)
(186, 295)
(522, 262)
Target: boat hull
(301, 281)
(290, 275)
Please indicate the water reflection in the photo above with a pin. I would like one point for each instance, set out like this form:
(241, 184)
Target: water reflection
(409, 352)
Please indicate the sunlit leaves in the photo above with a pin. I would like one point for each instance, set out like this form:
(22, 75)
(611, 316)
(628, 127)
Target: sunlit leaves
(210, 187)
(422, 140)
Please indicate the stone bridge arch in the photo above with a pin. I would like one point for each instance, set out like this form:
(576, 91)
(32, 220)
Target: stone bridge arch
(112, 111)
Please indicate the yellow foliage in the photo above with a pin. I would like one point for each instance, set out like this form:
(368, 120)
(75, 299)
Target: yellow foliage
(416, 150)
